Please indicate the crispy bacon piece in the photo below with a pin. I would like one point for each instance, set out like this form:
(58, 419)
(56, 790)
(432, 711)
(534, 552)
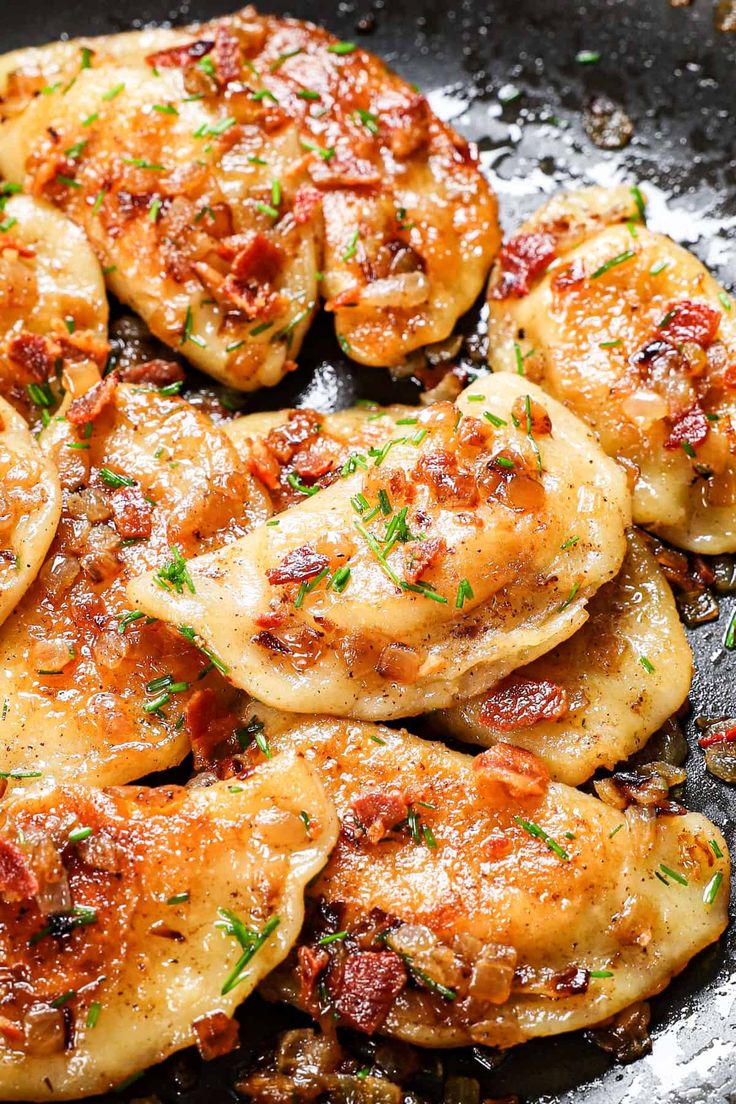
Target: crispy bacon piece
(253, 257)
(286, 440)
(266, 639)
(306, 203)
(311, 961)
(370, 983)
(506, 771)
(688, 427)
(216, 1034)
(571, 982)
(159, 373)
(375, 815)
(522, 703)
(227, 56)
(408, 127)
(210, 730)
(419, 556)
(690, 321)
(180, 57)
(297, 566)
(263, 465)
(132, 514)
(313, 461)
(34, 354)
(521, 260)
(17, 880)
(450, 484)
(88, 407)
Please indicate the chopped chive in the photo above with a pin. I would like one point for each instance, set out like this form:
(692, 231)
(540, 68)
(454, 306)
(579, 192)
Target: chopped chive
(587, 57)
(667, 318)
(266, 209)
(282, 58)
(369, 121)
(59, 1002)
(464, 590)
(570, 597)
(250, 941)
(569, 543)
(154, 209)
(494, 419)
(639, 201)
(165, 109)
(276, 193)
(352, 248)
(660, 266)
(178, 898)
(334, 938)
(615, 830)
(78, 834)
(113, 92)
(646, 664)
(519, 359)
(716, 849)
(611, 344)
(175, 574)
(325, 154)
(688, 449)
(93, 1014)
(341, 48)
(730, 638)
(294, 481)
(114, 480)
(539, 833)
(724, 300)
(619, 259)
(711, 890)
(308, 94)
(67, 181)
(600, 973)
(264, 94)
(673, 874)
(143, 163)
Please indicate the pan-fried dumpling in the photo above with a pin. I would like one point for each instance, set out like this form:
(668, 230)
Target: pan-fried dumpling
(91, 690)
(595, 699)
(30, 511)
(188, 200)
(473, 901)
(633, 334)
(53, 308)
(208, 163)
(135, 921)
(426, 577)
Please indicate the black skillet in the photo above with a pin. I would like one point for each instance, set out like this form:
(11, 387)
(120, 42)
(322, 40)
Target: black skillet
(516, 76)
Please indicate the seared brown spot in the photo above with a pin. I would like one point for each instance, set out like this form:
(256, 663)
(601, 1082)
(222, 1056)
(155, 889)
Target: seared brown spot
(521, 703)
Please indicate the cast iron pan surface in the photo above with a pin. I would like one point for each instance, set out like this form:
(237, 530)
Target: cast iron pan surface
(505, 73)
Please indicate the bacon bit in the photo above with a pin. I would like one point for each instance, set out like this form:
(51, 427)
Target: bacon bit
(284, 441)
(521, 260)
(419, 556)
(375, 815)
(392, 480)
(408, 127)
(227, 56)
(690, 426)
(159, 373)
(505, 770)
(522, 703)
(724, 736)
(17, 880)
(254, 257)
(216, 1034)
(313, 461)
(350, 297)
(540, 419)
(88, 407)
(311, 961)
(691, 321)
(252, 300)
(273, 619)
(472, 433)
(497, 846)
(132, 514)
(14, 246)
(266, 639)
(34, 354)
(210, 729)
(83, 345)
(13, 1032)
(180, 57)
(345, 172)
(571, 982)
(370, 983)
(450, 484)
(297, 566)
(306, 202)
(729, 376)
(263, 465)
(569, 276)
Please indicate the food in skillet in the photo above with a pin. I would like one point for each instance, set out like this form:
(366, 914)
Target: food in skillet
(53, 309)
(595, 699)
(92, 690)
(30, 508)
(470, 900)
(466, 547)
(633, 334)
(218, 169)
(136, 920)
